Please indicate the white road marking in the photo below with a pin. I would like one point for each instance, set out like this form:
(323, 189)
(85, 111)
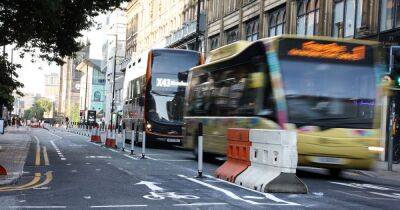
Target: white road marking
(148, 157)
(99, 157)
(118, 206)
(60, 155)
(199, 204)
(254, 197)
(226, 192)
(352, 193)
(37, 207)
(87, 197)
(267, 195)
(151, 185)
(174, 160)
(131, 157)
(394, 195)
(362, 186)
(55, 135)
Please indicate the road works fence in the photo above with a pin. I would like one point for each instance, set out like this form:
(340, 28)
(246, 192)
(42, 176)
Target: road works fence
(263, 160)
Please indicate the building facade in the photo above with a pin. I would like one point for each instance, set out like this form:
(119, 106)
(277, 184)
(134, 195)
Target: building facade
(191, 30)
(113, 53)
(51, 91)
(92, 87)
(69, 88)
(149, 23)
(232, 20)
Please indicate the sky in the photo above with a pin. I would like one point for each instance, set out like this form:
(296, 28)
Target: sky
(32, 74)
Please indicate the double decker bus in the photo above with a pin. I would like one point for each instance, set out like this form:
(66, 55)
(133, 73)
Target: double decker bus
(154, 91)
(327, 89)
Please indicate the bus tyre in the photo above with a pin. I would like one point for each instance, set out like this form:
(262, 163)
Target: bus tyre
(335, 172)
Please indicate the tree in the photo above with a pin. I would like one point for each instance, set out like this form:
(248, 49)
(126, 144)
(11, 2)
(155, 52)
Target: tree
(8, 83)
(39, 107)
(45, 104)
(48, 28)
(52, 26)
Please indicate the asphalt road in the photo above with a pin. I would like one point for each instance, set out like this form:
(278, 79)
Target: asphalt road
(70, 172)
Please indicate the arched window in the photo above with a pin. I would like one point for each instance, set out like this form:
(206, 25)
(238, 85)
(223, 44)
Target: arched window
(277, 19)
(347, 17)
(307, 17)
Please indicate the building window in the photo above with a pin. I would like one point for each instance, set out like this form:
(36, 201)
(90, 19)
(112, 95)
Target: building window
(277, 19)
(214, 42)
(252, 29)
(230, 6)
(390, 14)
(232, 35)
(307, 17)
(347, 17)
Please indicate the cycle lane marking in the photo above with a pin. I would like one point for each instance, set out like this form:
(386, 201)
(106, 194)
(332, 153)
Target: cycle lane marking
(236, 197)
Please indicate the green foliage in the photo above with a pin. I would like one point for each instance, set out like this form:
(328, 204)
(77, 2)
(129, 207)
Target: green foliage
(38, 109)
(52, 26)
(74, 113)
(45, 104)
(8, 82)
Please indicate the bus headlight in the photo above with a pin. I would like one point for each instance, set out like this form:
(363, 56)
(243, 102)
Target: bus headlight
(376, 149)
(148, 126)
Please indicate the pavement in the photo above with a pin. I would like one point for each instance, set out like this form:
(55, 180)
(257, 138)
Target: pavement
(70, 172)
(14, 146)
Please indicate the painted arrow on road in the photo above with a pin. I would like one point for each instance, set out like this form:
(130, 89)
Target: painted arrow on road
(151, 185)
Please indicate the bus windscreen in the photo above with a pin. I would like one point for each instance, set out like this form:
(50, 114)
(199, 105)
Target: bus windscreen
(329, 92)
(168, 85)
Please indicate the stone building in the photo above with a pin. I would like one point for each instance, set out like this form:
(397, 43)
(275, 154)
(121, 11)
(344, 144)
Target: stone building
(150, 22)
(113, 53)
(232, 20)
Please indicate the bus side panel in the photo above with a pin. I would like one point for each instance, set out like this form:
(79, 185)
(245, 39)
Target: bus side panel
(214, 131)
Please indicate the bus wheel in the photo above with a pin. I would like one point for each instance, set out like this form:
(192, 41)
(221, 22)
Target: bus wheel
(335, 172)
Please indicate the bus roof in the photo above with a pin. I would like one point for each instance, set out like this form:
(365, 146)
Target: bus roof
(230, 51)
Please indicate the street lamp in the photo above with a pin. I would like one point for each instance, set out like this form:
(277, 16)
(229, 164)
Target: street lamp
(114, 71)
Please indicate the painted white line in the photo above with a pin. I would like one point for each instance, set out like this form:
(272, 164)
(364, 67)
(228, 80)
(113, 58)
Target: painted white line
(387, 195)
(226, 192)
(37, 207)
(112, 150)
(353, 193)
(60, 137)
(150, 158)
(267, 195)
(118, 206)
(131, 157)
(60, 155)
(174, 160)
(199, 204)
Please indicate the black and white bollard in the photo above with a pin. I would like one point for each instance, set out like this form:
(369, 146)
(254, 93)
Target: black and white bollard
(144, 145)
(200, 151)
(123, 139)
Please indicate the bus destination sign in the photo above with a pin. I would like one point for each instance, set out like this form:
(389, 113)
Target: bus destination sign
(329, 51)
(325, 50)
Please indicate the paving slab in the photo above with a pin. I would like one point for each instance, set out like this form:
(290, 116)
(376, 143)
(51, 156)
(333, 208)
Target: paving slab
(15, 146)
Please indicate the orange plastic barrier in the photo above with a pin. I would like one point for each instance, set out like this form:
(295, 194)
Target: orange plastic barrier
(110, 140)
(3, 171)
(238, 154)
(95, 135)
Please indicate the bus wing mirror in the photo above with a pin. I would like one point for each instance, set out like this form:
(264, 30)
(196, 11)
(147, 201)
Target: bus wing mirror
(183, 76)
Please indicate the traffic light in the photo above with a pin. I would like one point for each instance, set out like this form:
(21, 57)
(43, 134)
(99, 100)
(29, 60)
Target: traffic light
(395, 65)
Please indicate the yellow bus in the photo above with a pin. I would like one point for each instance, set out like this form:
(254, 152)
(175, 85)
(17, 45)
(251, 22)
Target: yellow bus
(327, 89)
